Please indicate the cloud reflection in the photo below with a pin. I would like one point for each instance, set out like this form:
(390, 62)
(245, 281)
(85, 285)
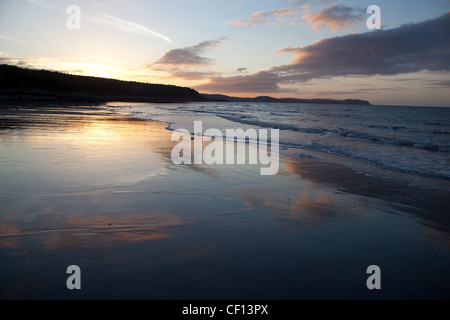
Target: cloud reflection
(57, 231)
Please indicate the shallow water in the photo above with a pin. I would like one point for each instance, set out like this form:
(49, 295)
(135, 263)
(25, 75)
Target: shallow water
(101, 192)
(413, 140)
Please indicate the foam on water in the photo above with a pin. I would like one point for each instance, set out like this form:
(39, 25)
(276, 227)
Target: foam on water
(413, 140)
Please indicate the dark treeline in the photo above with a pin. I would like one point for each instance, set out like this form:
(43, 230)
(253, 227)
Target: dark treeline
(26, 84)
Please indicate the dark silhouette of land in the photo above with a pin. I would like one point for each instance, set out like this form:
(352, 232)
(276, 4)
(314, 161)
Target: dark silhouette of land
(221, 97)
(19, 85)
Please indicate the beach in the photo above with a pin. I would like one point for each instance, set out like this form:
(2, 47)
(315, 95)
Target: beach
(90, 187)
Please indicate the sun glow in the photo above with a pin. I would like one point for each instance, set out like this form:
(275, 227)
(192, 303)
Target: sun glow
(93, 69)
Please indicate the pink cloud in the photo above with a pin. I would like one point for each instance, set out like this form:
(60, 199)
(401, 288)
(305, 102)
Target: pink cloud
(187, 63)
(334, 18)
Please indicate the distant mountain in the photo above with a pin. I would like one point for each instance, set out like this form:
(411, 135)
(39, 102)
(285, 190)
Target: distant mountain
(26, 84)
(221, 97)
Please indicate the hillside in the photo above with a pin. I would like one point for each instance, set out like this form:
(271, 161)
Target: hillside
(221, 97)
(26, 84)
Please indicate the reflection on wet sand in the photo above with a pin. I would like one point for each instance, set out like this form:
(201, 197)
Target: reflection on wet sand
(60, 231)
(52, 157)
(307, 202)
(309, 193)
(431, 206)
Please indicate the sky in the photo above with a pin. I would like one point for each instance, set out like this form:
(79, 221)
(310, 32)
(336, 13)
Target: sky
(284, 48)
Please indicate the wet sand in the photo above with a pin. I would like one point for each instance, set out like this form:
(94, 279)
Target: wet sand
(90, 188)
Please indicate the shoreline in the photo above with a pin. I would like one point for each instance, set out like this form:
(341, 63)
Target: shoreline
(325, 159)
(330, 160)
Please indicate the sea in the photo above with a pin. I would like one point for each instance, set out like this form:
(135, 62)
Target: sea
(371, 139)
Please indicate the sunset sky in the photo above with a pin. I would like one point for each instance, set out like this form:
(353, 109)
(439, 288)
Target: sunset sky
(284, 48)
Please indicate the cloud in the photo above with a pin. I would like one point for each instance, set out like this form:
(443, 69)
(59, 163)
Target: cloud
(48, 63)
(261, 82)
(242, 70)
(39, 3)
(22, 62)
(186, 62)
(442, 83)
(265, 17)
(322, 2)
(189, 55)
(409, 48)
(335, 18)
(184, 56)
(126, 26)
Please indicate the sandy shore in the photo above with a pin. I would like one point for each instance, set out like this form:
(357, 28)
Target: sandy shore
(86, 187)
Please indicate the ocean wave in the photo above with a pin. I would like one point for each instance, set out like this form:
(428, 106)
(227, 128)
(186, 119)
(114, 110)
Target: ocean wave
(388, 162)
(424, 144)
(272, 125)
(413, 141)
